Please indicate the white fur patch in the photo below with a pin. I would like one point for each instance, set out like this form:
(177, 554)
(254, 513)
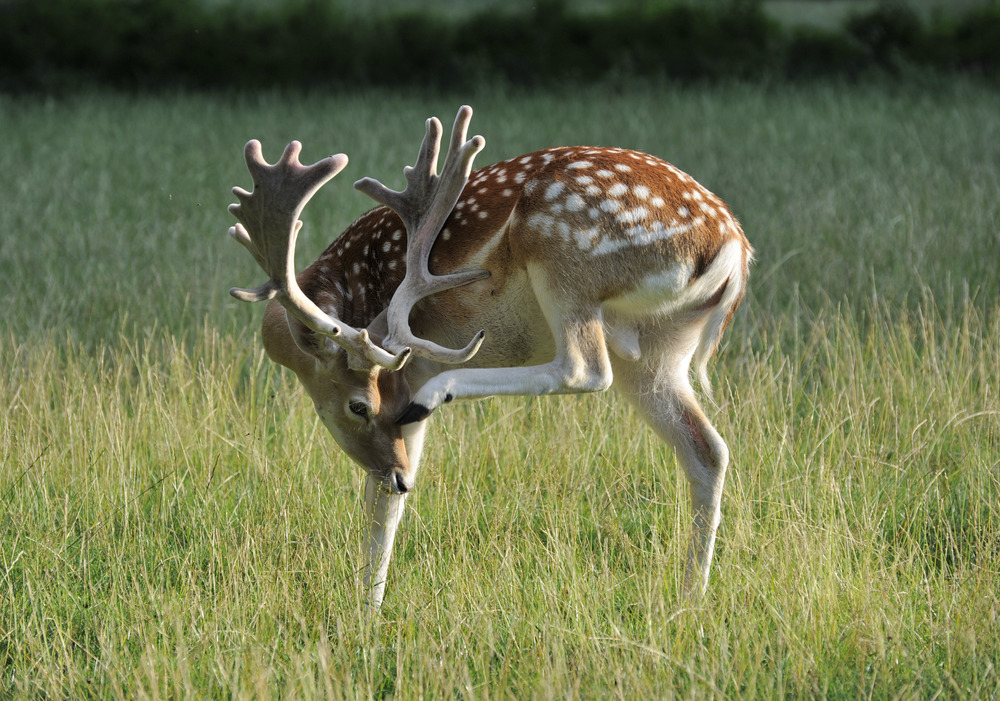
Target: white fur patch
(633, 216)
(575, 203)
(639, 236)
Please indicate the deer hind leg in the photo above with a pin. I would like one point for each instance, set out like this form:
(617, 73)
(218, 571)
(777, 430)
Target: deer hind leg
(669, 406)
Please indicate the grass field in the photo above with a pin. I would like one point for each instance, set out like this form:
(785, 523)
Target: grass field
(177, 524)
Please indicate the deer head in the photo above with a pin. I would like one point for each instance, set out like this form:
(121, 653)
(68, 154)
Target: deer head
(353, 374)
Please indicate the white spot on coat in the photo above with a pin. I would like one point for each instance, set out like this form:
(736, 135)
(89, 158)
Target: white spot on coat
(640, 236)
(541, 221)
(554, 189)
(587, 238)
(575, 203)
(633, 215)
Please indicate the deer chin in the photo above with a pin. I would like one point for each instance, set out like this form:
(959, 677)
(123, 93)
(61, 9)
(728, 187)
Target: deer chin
(395, 481)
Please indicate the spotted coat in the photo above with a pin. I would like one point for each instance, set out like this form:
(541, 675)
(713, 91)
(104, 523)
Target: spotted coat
(581, 211)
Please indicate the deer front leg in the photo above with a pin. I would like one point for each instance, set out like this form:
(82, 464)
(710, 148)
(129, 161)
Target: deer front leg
(581, 365)
(384, 511)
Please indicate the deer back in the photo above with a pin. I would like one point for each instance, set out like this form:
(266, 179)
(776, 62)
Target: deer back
(601, 224)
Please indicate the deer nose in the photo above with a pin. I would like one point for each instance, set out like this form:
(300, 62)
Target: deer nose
(398, 485)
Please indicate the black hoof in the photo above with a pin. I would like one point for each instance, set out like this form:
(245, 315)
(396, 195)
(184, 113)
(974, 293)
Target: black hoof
(413, 414)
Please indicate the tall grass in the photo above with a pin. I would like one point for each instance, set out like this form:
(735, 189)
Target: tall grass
(176, 523)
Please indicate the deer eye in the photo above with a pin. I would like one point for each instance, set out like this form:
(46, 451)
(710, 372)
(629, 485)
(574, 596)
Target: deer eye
(359, 409)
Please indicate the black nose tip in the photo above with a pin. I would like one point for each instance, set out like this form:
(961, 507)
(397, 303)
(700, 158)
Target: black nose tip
(397, 484)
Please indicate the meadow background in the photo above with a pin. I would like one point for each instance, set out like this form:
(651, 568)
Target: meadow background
(175, 522)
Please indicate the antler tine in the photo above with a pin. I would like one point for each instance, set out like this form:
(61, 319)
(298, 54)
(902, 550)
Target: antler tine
(420, 179)
(268, 226)
(424, 205)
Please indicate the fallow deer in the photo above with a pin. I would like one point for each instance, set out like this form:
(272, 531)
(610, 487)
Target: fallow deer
(578, 268)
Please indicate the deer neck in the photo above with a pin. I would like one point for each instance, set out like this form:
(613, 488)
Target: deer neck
(355, 277)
